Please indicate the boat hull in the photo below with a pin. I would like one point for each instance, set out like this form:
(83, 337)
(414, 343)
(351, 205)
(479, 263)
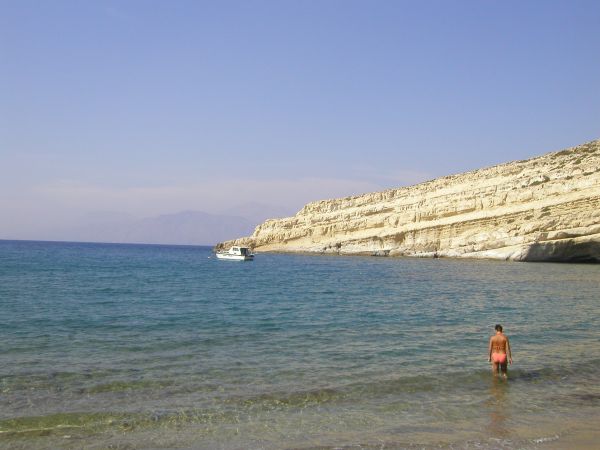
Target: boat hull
(235, 257)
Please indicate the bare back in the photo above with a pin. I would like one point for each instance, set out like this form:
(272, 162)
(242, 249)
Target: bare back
(498, 343)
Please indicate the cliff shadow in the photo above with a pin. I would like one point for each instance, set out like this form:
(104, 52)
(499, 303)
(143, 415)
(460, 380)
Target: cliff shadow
(564, 251)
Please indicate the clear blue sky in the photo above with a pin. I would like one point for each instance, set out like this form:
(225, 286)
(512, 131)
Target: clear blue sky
(152, 107)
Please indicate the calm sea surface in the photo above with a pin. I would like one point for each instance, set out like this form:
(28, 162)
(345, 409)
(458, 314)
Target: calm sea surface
(132, 346)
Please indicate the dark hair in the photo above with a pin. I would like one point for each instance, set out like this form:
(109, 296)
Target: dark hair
(498, 327)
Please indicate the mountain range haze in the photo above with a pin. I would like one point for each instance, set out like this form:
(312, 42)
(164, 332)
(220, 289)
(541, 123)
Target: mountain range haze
(182, 228)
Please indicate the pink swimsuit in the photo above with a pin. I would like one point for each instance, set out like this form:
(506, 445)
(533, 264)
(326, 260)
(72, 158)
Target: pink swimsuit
(499, 358)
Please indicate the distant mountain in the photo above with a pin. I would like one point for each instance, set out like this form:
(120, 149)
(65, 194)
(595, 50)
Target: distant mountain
(184, 228)
(188, 227)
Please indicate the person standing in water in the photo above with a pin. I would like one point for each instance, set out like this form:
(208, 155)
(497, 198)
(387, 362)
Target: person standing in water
(499, 352)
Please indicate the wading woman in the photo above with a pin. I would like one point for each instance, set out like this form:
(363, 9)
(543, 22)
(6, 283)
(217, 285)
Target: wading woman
(499, 352)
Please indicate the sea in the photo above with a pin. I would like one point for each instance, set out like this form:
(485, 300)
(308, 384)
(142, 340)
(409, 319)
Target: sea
(112, 346)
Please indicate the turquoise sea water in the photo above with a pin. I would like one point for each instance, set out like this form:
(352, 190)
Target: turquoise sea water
(132, 346)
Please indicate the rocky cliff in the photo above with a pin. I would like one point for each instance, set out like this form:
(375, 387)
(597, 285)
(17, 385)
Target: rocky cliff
(542, 209)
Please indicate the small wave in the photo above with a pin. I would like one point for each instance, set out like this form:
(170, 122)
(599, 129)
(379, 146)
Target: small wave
(52, 423)
(39, 431)
(119, 386)
(545, 439)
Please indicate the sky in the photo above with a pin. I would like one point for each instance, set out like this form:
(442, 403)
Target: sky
(155, 107)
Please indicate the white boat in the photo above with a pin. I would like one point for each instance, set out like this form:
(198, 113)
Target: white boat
(237, 254)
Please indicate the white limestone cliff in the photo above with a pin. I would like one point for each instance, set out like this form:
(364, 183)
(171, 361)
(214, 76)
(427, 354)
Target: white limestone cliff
(542, 209)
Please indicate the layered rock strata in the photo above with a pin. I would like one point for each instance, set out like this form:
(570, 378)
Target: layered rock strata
(542, 209)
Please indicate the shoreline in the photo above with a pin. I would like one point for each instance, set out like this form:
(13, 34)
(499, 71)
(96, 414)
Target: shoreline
(560, 433)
